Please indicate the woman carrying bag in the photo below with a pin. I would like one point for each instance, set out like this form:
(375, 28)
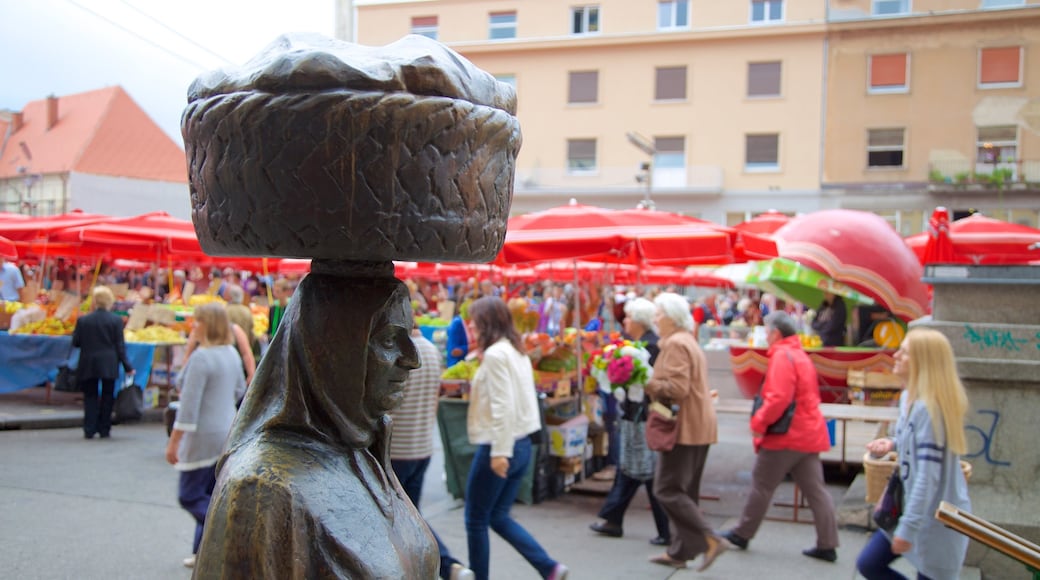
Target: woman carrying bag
(930, 439)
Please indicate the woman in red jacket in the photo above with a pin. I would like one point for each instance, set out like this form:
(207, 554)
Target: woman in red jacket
(790, 377)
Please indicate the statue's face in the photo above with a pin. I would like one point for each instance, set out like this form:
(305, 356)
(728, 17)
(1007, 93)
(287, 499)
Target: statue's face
(391, 354)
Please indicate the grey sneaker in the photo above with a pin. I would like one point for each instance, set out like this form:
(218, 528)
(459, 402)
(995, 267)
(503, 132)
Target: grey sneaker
(559, 572)
(460, 572)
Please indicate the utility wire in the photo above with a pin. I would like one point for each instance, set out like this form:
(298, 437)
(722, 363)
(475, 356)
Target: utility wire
(139, 36)
(167, 27)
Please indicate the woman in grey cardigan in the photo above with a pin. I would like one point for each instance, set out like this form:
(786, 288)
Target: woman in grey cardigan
(930, 440)
(213, 381)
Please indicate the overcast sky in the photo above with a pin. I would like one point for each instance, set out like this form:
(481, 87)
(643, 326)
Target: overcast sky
(64, 47)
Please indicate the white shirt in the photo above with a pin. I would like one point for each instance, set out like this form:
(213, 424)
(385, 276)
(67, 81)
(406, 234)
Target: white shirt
(503, 405)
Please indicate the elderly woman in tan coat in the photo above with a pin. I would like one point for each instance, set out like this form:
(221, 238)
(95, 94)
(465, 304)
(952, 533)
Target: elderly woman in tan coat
(681, 378)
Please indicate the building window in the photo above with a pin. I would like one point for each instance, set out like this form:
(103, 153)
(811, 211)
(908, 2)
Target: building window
(763, 79)
(762, 152)
(425, 26)
(887, 73)
(997, 148)
(1002, 3)
(501, 25)
(673, 14)
(670, 84)
(584, 19)
(584, 87)
(670, 162)
(1000, 67)
(767, 11)
(509, 79)
(890, 7)
(885, 147)
(581, 155)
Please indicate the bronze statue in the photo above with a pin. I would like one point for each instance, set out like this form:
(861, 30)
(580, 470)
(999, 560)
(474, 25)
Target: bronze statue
(353, 156)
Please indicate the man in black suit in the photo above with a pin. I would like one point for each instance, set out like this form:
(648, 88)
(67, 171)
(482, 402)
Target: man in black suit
(99, 336)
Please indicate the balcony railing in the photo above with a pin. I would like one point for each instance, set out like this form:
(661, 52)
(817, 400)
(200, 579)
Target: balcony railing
(962, 172)
(703, 178)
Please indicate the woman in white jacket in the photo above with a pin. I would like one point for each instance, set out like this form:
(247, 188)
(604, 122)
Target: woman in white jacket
(503, 413)
(930, 440)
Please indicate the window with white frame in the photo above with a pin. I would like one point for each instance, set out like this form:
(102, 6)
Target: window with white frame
(581, 155)
(1002, 3)
(997, 148)
(670, 83)
(583, 87)
(501, 25)
(673, 14)
(763, 79)
(584, 19)
(670, 162)
(889, 7)
(1000, 67)
(888, 73)
(425, 26)
(762, 152)
(763, 11)
(885, 147)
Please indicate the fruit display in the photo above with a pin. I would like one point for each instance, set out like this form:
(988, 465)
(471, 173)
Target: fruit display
(155, 334)
(50, 326)
(200, 299)
(461, 371)
(427, 320)
(810, 340)
(13, 306)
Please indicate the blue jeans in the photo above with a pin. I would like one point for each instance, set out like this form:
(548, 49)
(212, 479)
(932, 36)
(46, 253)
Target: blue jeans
(873, 561)
(488, 501)
(194, 492)
(411, 473)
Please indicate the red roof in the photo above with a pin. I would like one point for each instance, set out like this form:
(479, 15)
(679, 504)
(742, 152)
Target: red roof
(101, 132)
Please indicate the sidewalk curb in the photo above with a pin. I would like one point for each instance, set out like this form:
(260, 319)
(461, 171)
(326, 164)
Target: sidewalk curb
(62, 420)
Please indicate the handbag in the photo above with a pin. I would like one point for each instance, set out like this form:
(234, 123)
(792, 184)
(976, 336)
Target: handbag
(662, 429)
(781, 425)
(890, 507)
(129, 405)
(66, 379)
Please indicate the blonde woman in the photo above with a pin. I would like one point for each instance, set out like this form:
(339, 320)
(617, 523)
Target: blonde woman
(213, 382)
(930, 440)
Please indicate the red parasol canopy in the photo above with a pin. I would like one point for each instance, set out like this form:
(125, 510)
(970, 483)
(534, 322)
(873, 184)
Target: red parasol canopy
(636, 236)
(27, 230)
(764, 223)
(978, 239)
(861, 250)
(7, 249)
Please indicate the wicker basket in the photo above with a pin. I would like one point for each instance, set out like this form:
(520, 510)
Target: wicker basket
(878, 471)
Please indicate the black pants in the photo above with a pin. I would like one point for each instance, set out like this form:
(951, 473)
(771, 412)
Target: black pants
(97, 418)
(621, 495)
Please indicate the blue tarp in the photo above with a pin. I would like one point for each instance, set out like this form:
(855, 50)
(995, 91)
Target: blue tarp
(28, 360)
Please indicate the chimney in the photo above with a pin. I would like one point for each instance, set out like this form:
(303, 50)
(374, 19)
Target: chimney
(52, 111)
(17, 120)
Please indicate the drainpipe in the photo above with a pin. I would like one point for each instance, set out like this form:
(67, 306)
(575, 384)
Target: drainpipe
(823, 108)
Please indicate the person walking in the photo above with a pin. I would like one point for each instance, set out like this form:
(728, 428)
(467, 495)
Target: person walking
(790, 376)
(681, 378)
(930, 439)
(411, 444)
(213, 380)
(11, 281)
(503, 413)
(636, 460)
(102, 348)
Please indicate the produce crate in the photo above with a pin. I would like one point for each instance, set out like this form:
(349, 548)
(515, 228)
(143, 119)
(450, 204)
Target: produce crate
(874, 388)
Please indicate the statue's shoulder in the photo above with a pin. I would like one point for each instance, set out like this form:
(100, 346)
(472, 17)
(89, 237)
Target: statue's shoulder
(276, 461)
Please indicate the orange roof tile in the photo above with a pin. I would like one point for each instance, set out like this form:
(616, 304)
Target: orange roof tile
(101, 132)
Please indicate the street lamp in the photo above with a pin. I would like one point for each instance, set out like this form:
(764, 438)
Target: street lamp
(646, 146)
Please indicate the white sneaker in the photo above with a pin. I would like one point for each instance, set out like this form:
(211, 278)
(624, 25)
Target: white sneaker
(189, 562)
(460, 572)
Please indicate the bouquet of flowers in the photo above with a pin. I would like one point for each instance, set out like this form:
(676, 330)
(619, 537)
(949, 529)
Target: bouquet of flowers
(623, 368)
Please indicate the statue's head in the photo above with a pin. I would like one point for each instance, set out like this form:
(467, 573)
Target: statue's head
(391, 355)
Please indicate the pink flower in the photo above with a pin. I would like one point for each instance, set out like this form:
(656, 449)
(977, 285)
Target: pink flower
(619, 370)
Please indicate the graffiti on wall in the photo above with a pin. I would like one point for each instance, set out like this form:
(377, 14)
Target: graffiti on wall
(986, 434)
(999, 339)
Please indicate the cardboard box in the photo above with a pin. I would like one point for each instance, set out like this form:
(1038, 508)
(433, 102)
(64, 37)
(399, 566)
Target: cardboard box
(874, 388)
(600, 444)
(567, 439)
(570, 465)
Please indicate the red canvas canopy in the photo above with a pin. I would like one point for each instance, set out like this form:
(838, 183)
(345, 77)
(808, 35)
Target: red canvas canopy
(7, 249)
(38, 228)
(764, 223)
(976, 239)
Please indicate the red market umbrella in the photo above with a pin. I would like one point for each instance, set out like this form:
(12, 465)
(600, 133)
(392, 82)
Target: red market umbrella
(859, 249)
(635, 236)
(7, 249)
(982, 240)
(764, 223)
(28, 230)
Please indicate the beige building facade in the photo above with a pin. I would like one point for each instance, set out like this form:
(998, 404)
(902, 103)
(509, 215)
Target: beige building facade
(724, 110)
